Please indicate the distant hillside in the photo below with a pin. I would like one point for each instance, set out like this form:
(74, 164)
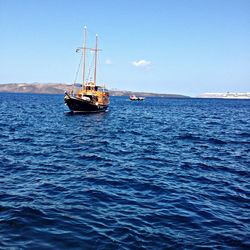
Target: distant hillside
(38, 88)
(59, 88)
(144, 94)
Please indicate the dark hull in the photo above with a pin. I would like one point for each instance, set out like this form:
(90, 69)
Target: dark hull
(78, 105)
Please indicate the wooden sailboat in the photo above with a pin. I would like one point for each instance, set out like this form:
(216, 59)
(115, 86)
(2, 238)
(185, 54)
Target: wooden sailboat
(89, 97)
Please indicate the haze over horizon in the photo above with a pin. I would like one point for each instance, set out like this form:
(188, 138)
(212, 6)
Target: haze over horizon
(185, 46)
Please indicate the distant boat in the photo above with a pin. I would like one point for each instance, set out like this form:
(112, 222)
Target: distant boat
(87, 97)
(135, 98)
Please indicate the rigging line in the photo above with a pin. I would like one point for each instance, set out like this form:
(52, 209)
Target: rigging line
(90, 34)
(88, 67)
(91, 62)
(77, 72)
(100, 75)
(100, 72)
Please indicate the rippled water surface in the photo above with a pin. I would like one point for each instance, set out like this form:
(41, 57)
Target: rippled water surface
(158, 174)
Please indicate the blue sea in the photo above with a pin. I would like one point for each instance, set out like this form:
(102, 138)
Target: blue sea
(158, 174)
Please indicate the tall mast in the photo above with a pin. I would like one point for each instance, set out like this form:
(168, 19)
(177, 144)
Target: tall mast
(84, 56)
(96, 49)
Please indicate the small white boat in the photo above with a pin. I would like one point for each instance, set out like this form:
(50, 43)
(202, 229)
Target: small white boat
(135, 98)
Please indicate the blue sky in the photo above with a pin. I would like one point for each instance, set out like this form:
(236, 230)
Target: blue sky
(164, 46)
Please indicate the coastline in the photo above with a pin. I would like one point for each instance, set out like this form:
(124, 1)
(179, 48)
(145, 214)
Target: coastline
(227, 95)
(59, 88)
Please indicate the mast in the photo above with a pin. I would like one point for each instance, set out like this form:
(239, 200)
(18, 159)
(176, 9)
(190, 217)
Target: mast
(96, 49)
(84, 56)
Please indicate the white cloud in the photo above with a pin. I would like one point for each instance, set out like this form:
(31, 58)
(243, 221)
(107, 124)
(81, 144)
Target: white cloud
(108, 61)
(141, 63)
